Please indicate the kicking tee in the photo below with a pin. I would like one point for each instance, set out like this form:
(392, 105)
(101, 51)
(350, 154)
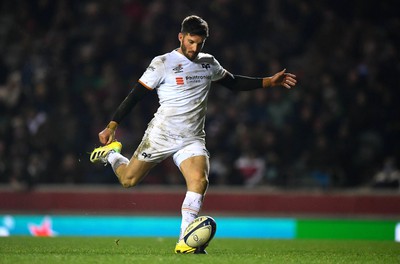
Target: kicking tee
(182, 86)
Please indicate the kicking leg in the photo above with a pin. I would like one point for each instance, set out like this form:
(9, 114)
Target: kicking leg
(129, 173)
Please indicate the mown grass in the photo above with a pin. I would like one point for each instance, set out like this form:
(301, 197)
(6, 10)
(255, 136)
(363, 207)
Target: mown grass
(160, 250)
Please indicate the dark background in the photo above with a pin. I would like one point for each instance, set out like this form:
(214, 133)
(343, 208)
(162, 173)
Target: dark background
(66, 65)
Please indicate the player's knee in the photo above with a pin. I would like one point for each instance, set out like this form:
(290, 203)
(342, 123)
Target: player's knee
(128, 182)
(205, 182)
(202, 183)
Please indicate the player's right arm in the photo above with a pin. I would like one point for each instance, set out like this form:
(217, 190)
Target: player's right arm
(107, 135)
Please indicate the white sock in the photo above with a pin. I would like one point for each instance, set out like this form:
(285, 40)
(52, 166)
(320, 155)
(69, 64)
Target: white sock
(190, 209)
(116, 159)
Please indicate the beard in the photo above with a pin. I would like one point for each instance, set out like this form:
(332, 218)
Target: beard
(191, 55)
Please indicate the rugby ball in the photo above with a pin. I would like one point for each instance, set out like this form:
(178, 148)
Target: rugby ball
(200, 231)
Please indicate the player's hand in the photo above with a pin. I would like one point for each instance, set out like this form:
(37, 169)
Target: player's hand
(107, 135)
(284, 79)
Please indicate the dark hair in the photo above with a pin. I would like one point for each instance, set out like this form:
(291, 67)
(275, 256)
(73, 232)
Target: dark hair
(195, 25)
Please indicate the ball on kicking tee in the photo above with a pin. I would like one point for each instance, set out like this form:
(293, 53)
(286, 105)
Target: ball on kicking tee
(200, 231)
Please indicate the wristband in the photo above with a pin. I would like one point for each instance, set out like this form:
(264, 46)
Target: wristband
(266, 82)
(112, 125)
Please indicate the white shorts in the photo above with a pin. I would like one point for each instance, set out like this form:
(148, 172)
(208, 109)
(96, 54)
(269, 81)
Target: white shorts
(157, 147)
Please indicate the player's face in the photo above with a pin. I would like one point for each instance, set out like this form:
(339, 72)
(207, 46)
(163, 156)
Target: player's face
(191, 45)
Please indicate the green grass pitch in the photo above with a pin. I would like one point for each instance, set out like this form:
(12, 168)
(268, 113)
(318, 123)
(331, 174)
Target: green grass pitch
(160, 250)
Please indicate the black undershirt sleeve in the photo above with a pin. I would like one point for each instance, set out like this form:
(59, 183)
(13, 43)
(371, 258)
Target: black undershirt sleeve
(240, 83)
(134, 96)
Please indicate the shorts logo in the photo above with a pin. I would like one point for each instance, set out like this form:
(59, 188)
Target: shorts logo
(179, 80)
(145, 155)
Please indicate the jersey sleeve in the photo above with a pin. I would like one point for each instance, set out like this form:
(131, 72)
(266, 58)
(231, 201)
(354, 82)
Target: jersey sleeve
(154, 74)
(219, 71)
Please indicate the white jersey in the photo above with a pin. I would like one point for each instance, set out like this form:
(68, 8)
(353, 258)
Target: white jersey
(182, 86)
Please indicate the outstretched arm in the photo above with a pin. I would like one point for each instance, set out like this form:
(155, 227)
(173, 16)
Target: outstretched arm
(107, 135)
(245, 83)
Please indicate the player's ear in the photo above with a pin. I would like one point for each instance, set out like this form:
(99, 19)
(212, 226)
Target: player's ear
(180, 36)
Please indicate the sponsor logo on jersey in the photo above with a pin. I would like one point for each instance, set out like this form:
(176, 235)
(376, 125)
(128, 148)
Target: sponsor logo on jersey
(178, 69)
(197, 78)
(179, 80)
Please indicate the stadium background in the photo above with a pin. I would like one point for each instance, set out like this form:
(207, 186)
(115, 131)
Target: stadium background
(66, 65)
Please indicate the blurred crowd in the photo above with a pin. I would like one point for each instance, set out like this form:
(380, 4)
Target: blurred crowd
(66, 65)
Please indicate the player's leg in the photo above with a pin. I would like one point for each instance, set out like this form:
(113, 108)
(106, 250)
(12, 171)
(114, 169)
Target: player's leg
(195, 171)
(193, 161)
(129, 173)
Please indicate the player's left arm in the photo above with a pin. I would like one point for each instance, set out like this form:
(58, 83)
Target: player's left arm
(245, 83)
